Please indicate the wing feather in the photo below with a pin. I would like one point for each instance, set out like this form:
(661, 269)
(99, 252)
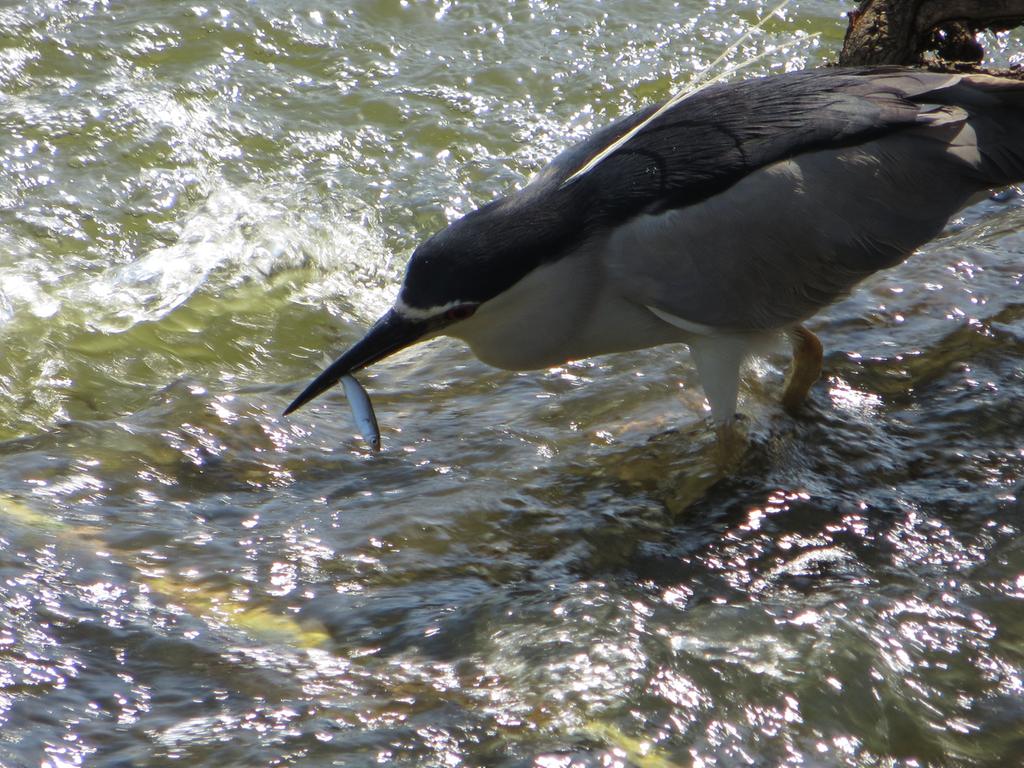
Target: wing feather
(706, 143)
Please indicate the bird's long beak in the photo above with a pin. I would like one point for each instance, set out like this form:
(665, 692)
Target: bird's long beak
(388, 335)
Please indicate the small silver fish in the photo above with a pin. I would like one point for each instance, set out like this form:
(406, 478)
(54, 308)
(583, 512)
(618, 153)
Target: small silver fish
(362, 411)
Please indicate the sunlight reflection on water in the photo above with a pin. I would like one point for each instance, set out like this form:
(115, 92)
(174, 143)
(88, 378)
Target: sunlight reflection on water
(202, 204)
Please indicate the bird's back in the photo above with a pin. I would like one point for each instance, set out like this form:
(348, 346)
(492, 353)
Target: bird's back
(708, 142)
(752, 205)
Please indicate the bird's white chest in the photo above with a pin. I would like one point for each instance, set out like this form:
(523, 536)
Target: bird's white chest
(564, 310)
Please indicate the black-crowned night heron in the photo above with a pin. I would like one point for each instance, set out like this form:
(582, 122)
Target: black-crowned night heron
(729, 218)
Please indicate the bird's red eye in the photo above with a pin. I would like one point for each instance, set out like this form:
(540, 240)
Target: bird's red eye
(460, 312)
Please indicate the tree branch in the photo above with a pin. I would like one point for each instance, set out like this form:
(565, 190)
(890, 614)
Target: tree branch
(900, 31)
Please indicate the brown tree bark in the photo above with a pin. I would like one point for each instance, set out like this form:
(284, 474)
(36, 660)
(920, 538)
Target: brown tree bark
(901, 31)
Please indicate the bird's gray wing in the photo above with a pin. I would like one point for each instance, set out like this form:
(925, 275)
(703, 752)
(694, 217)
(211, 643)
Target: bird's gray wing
(707, 142)
(752, 205)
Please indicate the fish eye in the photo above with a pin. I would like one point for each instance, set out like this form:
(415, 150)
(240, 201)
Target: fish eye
(460, 312)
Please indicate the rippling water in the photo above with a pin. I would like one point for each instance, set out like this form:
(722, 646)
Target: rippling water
(201, 202)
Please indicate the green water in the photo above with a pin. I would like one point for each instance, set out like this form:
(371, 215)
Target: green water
(200, 203)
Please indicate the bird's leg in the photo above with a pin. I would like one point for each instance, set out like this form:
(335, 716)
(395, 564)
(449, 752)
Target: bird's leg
(805, 369)
(718, 360)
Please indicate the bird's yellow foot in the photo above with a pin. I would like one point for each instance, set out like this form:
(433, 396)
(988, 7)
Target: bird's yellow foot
(805, 370)
(731, 443)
